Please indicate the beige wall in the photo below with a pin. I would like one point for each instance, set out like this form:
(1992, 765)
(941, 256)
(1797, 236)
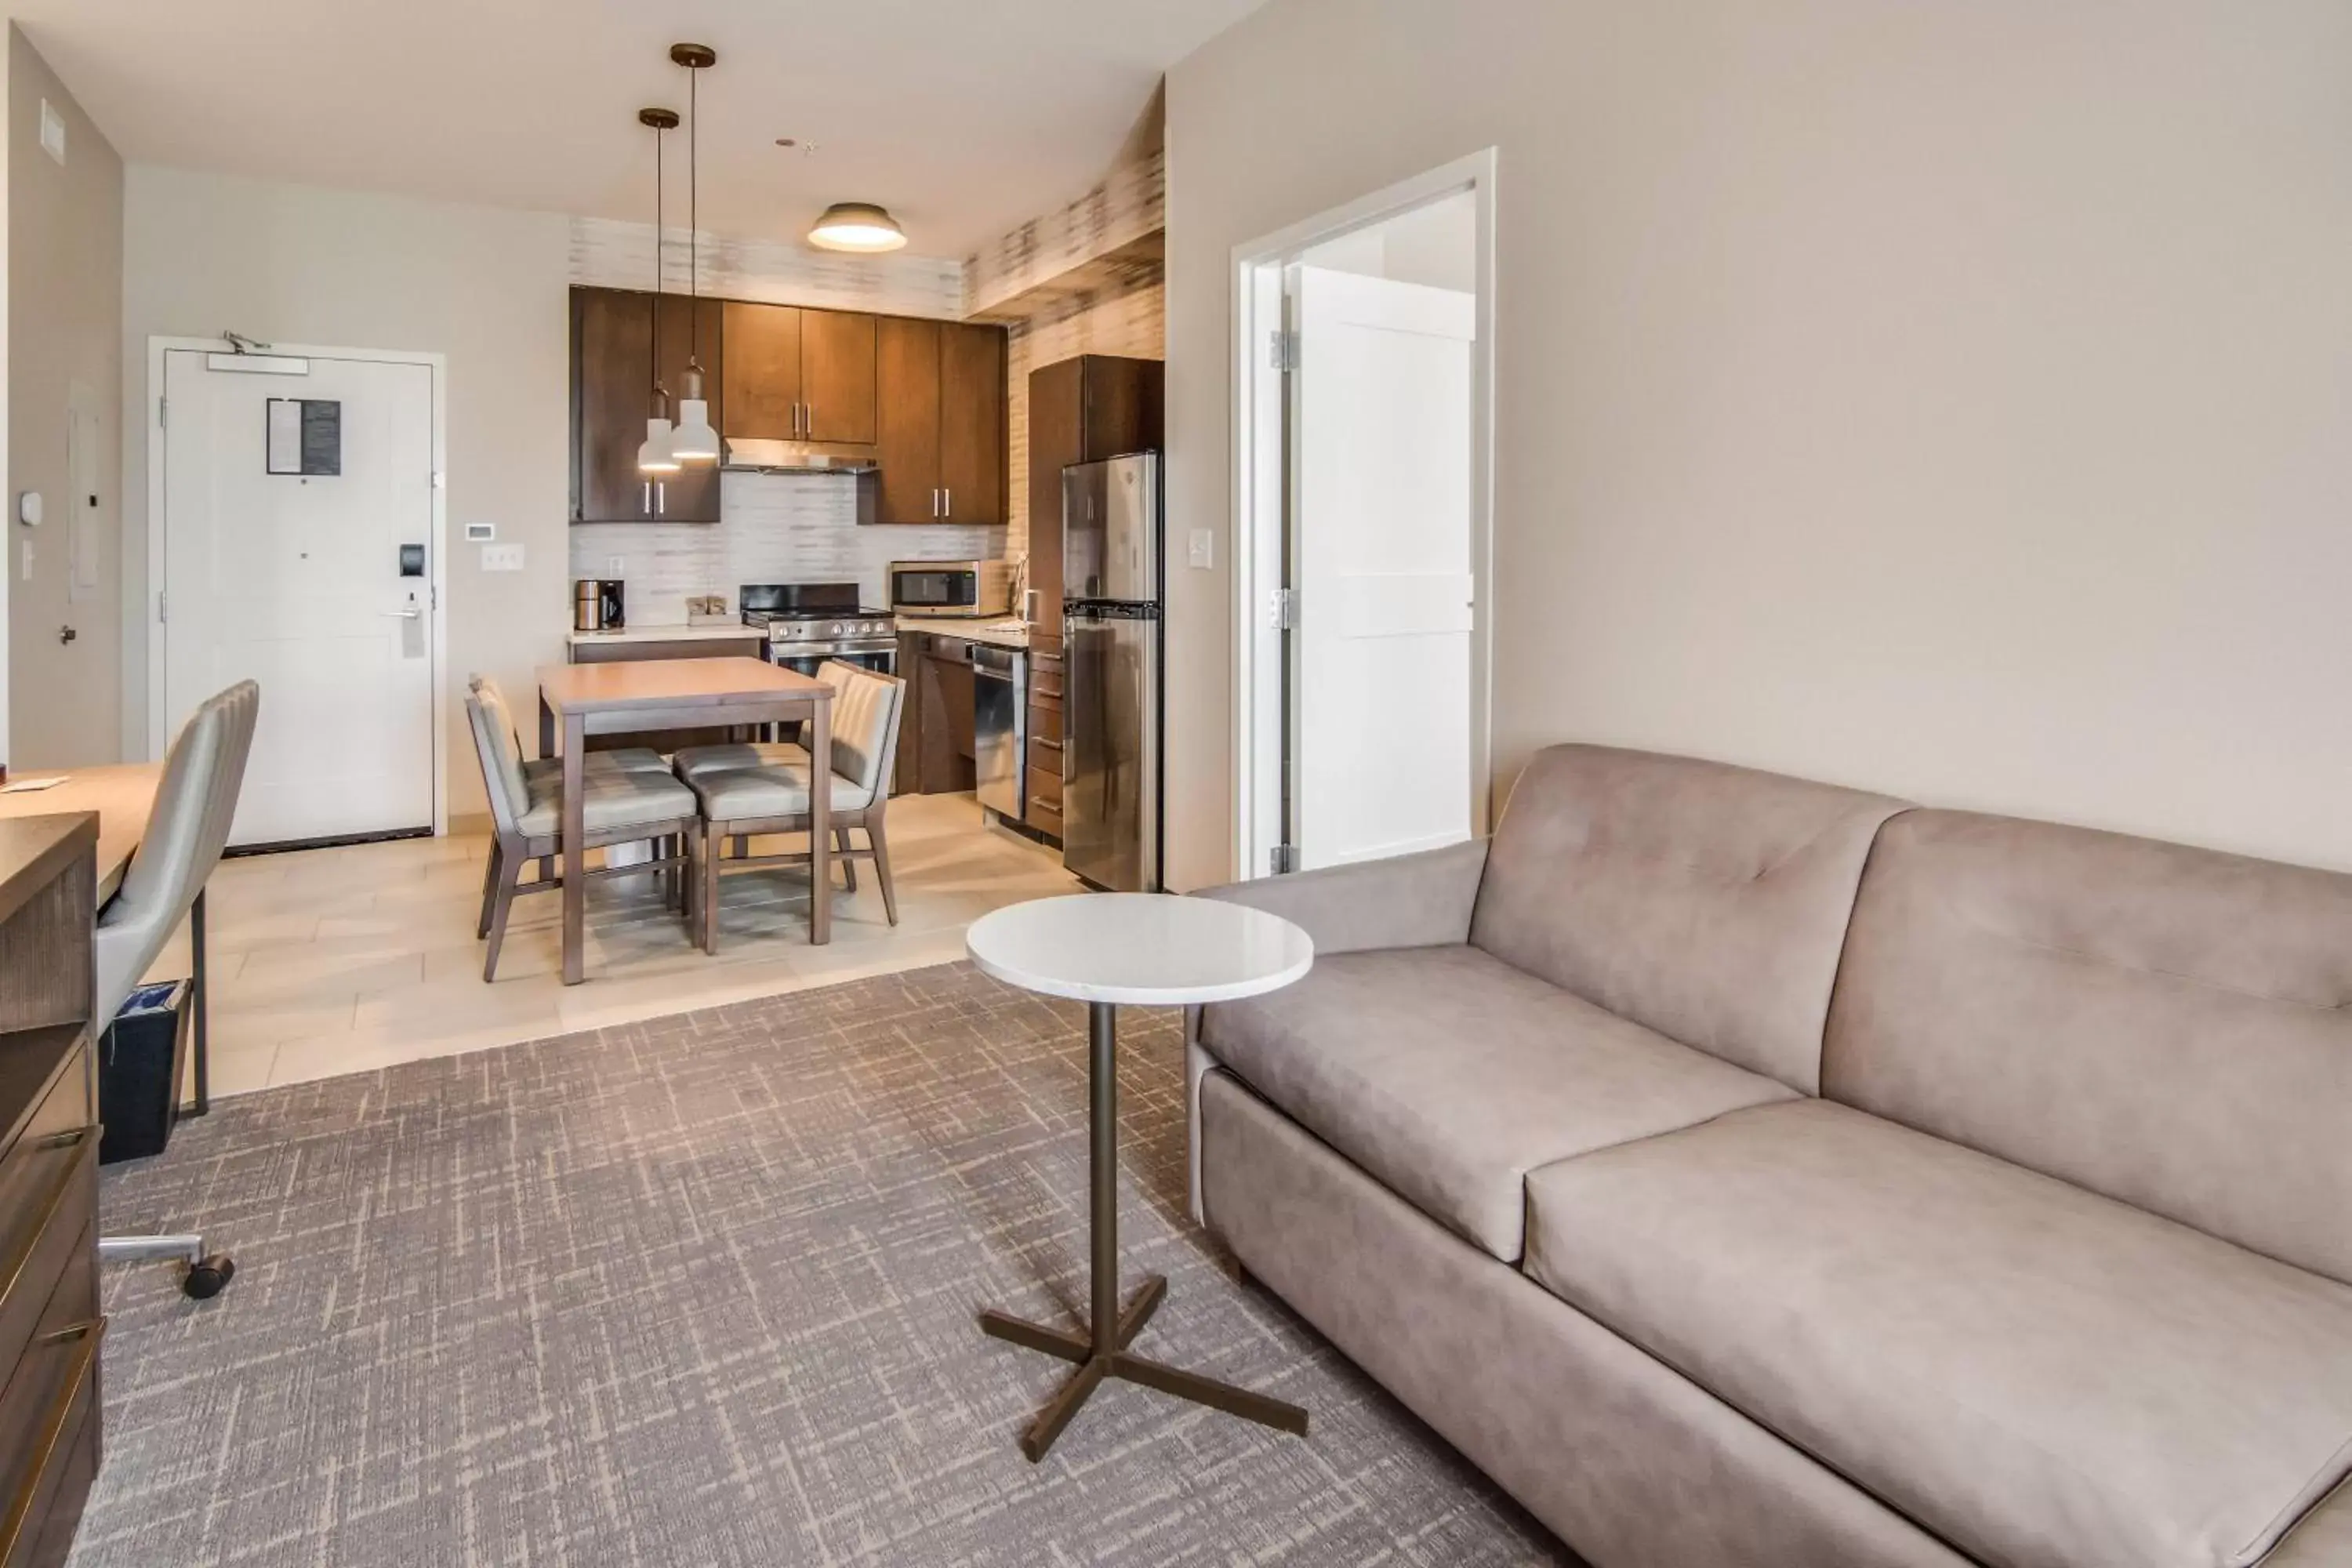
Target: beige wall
(295, 264)
(1126, 317)
(64, 347)
(1951, 399)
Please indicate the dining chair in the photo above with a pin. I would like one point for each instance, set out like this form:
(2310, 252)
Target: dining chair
(621, 806)
(195, 804)
(692, 760)
(773, 797)
(625, 759)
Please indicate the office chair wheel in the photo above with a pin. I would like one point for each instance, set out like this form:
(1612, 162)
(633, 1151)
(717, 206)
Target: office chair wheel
(207, 1278)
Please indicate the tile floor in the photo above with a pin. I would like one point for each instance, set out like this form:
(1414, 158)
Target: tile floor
(335, 961)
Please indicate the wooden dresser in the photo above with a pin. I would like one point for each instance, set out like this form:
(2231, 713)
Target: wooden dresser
(49, 1323)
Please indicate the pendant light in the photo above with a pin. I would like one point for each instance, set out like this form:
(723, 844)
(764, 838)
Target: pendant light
(694, 441)
(654, 454)
(858, 226)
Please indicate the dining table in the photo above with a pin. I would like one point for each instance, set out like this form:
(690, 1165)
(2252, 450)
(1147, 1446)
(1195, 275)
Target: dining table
(638, 696)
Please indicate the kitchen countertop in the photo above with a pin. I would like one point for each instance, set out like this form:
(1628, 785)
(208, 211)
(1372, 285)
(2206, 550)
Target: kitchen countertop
(1006, 632)
(697, 631)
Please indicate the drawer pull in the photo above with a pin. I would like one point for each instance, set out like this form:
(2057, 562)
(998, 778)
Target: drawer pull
(53, 1431)
(32, 1234)
(1041, 741)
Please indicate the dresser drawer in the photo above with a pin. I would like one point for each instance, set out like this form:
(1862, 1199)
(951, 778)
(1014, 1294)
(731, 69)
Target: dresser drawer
(48, 1194)
(47, 1417)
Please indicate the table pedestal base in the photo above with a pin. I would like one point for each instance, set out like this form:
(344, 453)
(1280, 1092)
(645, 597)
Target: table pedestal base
(1104, 1354)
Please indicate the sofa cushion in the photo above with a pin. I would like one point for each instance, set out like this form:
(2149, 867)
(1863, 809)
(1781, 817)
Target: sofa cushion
(2043, 1376)
(1447, 1075)
(1707, 902)
(2168, 1026)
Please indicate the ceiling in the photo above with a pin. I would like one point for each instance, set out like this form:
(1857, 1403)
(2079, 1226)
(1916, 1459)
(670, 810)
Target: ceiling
(964, 119)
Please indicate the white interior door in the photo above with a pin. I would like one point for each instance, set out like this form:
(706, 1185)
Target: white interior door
(1382, 707)
(297, 580)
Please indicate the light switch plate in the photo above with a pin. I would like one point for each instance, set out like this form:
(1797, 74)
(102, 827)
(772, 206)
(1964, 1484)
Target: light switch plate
(615, 565)
(480, 533)
(1203, 549)
(501, 557)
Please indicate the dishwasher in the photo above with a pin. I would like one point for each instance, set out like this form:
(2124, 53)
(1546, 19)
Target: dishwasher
(1000, 726)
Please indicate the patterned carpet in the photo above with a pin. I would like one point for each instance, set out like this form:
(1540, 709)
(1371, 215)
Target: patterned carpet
(700, 1292)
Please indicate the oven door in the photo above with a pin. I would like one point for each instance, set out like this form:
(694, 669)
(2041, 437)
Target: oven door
(935, 590)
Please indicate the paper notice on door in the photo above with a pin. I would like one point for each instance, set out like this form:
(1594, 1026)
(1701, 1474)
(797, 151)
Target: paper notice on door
(285, 435)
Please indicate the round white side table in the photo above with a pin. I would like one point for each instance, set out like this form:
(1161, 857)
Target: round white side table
(1155, 950)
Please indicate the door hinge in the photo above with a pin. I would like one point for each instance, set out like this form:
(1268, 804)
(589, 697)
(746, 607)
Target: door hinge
(1282, 609)
(163, 607)
(1284, 860)
(1282, 350)
(162, 412)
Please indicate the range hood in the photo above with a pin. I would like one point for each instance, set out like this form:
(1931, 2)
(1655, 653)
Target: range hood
(757, 457)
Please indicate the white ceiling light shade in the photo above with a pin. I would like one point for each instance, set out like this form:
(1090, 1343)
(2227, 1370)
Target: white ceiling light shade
(655, 452)
(694, 441)
(858, 226)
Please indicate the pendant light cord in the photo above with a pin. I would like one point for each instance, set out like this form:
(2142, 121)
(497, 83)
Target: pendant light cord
(653, 346)
(694, 214)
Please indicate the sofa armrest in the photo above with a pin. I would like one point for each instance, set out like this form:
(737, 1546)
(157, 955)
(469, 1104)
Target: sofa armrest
(1422, 900)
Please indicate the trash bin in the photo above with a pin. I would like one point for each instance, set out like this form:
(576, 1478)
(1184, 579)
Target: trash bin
(140, 1059)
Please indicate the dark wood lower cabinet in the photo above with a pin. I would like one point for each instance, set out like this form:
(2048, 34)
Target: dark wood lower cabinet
(50, 1327)
(1042, 808)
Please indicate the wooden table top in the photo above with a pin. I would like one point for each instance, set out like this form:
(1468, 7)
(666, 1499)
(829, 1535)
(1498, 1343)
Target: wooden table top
(123, 796)
(671, 683)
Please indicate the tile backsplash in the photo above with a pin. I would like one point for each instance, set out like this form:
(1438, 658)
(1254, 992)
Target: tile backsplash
(771, 528)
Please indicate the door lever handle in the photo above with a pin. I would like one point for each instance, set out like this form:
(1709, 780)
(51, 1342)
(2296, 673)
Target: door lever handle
(401, 614)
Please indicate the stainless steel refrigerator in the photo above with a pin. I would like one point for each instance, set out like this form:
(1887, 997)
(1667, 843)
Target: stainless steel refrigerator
(1110, 649)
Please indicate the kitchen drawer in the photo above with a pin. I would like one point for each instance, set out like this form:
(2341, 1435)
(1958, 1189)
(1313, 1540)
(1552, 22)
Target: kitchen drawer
(1044, 678)
(1043, 818)
(46, 1414)
(1045, 790)
(1046, 722)
(1046, 757)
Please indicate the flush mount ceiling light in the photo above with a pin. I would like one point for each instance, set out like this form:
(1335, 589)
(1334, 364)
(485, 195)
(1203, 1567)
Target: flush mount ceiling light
(694, 441)
(856, 226)
(654, 454)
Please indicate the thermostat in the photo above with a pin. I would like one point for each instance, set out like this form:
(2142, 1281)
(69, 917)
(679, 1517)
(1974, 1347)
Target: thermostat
(28, 508)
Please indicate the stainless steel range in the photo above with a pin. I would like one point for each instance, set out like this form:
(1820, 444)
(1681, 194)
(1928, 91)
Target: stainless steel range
(809, 623)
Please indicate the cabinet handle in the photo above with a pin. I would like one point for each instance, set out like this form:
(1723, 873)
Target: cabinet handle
(648, 508)
(661, 498)
(1041, 741)
(808, 419)
(950, 502)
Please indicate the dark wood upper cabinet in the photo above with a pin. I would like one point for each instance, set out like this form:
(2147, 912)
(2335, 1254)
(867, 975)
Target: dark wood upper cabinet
(941, 446)
(612, 359)
(763, 371)
(908, 432)
(972, 424)
(1080, 411)
(838, 371)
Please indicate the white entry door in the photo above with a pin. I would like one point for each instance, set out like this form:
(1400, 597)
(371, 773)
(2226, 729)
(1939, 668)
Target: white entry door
(1380, 705)
(298, 517)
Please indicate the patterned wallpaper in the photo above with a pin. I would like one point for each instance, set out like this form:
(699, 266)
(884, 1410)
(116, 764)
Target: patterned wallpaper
(609, 254)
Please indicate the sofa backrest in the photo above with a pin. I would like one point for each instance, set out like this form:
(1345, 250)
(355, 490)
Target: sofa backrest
(2163, 1025)
(1706, 901)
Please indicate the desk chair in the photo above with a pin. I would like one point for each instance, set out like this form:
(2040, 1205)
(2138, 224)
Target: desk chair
(195, 804)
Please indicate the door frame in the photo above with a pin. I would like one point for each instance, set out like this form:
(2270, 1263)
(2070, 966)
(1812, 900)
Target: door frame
(158, 724)
(1260, 478)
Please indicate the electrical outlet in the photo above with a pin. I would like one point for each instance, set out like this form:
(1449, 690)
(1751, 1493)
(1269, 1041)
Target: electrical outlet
(501, 557)
(1202, 551)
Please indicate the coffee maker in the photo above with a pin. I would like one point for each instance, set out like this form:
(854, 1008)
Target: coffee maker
(596, 605)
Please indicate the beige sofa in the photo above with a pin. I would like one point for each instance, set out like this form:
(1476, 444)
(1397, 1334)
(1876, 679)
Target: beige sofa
(1742, 1170)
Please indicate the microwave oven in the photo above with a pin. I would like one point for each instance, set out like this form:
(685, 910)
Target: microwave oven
(972, 588)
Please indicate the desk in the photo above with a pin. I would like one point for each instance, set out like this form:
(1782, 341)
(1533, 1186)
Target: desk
(577, 700)
(122, 793)
(123, 796)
